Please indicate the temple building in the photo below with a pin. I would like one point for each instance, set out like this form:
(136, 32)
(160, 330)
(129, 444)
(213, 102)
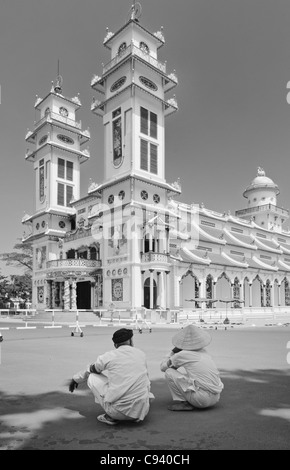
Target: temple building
(130, 242)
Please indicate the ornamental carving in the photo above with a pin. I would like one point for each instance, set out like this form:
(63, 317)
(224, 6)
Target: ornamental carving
(108, 35)
(159, 35)
(176, 185)
(92, 186)
(261, 171)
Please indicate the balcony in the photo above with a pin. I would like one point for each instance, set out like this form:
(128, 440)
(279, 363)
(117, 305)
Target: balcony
(170, 106)
(30, 156)
(98, 107)
(135, 51)
(265, 207)
(151, 257)
(73, 264)
(98, 84)
(59, 118)
(83, 155)
(85, 136)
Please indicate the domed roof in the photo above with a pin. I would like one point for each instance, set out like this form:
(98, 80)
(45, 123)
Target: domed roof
(261, 181)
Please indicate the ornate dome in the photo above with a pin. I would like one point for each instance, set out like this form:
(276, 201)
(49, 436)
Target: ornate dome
(261, 181)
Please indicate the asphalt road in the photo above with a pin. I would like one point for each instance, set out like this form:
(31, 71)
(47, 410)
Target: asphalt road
(38, 412)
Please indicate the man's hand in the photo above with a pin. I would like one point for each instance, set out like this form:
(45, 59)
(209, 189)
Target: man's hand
(73, 385)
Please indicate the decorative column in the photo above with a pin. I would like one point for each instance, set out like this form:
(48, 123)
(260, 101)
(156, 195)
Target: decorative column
(53, 294)
(61, 295)
(164, 290)
(279, 294)
(150, 242)
(250, 295)
(158, 288)
(263, 303)
(66, 296)
(213, 305)
(242, 295)
(49, 296)
(167, 240)
(167, 290)
(151, 288)
(142, 288)
(272, 294)
(74, 295)
(93, 285)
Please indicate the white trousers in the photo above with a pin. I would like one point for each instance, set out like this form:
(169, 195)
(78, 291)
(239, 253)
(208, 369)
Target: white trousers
(98, 383)
(199, 398)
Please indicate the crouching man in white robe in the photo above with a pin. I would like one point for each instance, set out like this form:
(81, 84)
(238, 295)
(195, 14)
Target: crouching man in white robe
(124, 390)
(190, 372)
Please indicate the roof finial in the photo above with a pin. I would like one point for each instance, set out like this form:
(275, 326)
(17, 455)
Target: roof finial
(59, 81)
(260, 171)
(135, 11)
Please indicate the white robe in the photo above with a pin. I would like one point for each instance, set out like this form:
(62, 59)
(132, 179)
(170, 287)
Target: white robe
(127, 386)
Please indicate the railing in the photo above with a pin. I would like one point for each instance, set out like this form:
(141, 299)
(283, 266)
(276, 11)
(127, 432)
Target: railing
(154, 257)
(74, 263)
(265, 207)
(77, 235)
(138, 52)
(58, 117)
(14, 311)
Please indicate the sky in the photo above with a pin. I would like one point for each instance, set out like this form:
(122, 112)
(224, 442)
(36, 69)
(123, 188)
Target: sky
(232, 59)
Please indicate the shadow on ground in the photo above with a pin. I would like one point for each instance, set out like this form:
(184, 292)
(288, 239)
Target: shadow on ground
(254, 413)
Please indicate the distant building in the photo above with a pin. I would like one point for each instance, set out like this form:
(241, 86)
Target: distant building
(129, 242)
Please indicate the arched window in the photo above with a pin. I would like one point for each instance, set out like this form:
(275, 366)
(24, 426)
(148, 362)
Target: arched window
(143, 46)
(122, 48)
(287, 291)
(93, 253)
(70, 254)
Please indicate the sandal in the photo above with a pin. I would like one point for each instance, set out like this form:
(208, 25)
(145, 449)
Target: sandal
(180, 406)
(107, 420)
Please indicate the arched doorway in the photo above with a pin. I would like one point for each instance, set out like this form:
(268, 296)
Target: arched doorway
(84, 295)
(189, 284)
(223, 290)
(147, 291)
(258, 292)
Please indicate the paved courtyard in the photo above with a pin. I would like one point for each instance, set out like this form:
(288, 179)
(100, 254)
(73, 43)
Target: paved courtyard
(38, 412)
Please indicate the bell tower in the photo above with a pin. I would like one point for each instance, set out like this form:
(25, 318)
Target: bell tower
(56, 152)
(133, 106)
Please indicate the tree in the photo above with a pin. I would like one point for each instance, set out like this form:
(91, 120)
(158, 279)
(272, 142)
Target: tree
(4, 287)
(20, 285)
(22, 256)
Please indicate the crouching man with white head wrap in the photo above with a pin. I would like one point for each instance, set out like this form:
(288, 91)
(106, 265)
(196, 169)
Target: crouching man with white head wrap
(197, 384)
(124, 390)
